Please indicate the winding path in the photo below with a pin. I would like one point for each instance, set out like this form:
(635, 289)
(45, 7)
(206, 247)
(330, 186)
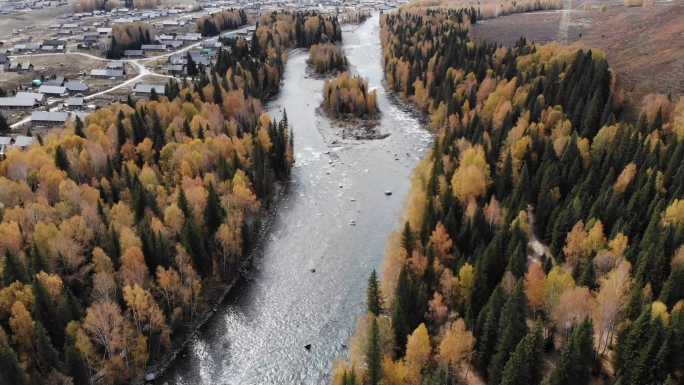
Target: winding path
(537, 248)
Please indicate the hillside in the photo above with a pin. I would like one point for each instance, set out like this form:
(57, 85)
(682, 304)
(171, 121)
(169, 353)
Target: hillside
(644, 46)
(530, 129)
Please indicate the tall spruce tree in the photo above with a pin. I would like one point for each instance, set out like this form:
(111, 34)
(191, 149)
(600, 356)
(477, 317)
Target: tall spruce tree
(78, 127)
(512, 329)
(61, 160)
(373, 354)
(182, 203)
(191, 66)
(13, 270)
(487, 326)
(373, 294)
(11, 372)
(517, 369)
(576, 358)
(48, 357)
(402, 311)
(213, 212)
(193, 240)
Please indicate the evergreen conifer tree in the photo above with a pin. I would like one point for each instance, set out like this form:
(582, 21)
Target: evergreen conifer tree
(75, 366)
(512, 329)
(574, 364)
(373, 354)
(11, 372)
(61, 160)
(182, 203)
(13, 270)
(374, 297)
(402, 310)
(154, 97)
(517, 369)
(4, 126)
(48, 358)
(78, 127)
(213, 212)
(191, 66)
(193, 240)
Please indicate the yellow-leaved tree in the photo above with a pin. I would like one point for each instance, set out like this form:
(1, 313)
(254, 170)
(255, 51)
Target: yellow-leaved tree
(456, 348)
(473, 177)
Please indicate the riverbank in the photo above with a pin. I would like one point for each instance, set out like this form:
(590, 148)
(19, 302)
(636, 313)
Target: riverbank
(258, 334)
(266, 217)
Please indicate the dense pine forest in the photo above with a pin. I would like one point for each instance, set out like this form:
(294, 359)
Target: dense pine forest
(118, 230)
(544, 236)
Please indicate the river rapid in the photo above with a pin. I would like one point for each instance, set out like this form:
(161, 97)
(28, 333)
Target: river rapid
(257, 336)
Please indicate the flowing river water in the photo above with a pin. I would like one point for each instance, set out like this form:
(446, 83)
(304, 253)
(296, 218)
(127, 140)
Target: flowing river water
(257, 336)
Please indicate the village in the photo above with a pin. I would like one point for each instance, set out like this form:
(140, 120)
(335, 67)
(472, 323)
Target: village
(53, 54)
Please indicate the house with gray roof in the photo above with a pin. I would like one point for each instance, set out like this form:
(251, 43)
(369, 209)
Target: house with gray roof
(74, 103)
(38, 97)
(24, 48)
(52, 90)
(76, 87)
(18, 103)
(129, 53)
(115, 65)
(153, 47)
(23, 141)
(20, 67)
(48, 119)
(146, 89)
(98, 73)
(174, 69)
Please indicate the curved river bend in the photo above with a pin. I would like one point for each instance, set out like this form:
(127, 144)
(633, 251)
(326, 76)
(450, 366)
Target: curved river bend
(257, 335)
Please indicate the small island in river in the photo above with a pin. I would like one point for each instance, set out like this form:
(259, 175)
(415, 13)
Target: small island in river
(348, 100)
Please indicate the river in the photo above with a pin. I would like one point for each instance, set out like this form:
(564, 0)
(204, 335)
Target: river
(257, 336)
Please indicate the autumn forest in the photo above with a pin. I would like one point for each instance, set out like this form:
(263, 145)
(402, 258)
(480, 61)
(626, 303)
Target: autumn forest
(543, 240)
(120, 229)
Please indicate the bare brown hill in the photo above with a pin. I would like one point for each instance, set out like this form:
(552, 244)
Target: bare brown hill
(644, 46)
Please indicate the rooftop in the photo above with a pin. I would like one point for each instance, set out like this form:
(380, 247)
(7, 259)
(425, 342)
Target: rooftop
(45, 116)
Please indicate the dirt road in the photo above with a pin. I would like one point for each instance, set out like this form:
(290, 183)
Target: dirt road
(142, 70)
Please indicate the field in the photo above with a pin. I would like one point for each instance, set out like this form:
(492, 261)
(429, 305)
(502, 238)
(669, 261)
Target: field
(37, 19)
(645, 46)
(70, 66)
(74, 67)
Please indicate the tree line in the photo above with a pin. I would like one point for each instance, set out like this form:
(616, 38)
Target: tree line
(221, 21)
(129, 36)
(529, 140)
(356, 17)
